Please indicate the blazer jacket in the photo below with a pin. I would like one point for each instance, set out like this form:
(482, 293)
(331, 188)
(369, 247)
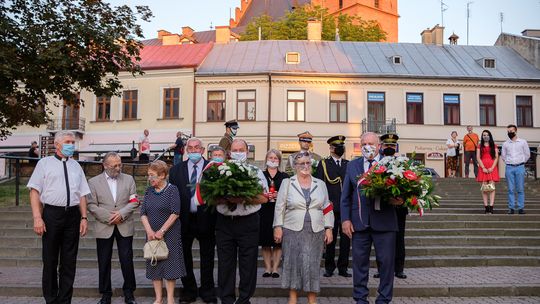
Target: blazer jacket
(206, 218)
(101, 204)
(362, 213)
(291, 206)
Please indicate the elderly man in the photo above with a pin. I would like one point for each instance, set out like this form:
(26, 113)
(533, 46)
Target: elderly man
(237, 238)
(367, 223)
(218, 154)
(198, 222)
(57, 196)
(112, 203)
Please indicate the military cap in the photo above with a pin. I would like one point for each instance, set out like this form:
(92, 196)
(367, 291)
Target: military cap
(389, 139)
(338, 140)
(305, 137)
(233, 124)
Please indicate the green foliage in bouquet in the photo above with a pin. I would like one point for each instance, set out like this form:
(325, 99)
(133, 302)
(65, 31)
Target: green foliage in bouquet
(229, 179)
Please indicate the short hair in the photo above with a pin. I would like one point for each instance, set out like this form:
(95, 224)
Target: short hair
(33, 142)
(273, 151)
(453, 132)
(469, 126)
(160, 167)
(60, 135)
(192, 139)
(369, 134)
(241, 140)
(302, 154)
(512, 126)
(217, 148)
(110, 155)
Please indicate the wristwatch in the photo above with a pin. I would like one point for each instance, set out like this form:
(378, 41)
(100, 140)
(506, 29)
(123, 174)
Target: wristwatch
(84, 218)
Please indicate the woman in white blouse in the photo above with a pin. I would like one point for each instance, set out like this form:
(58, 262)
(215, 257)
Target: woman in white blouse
(452, 154)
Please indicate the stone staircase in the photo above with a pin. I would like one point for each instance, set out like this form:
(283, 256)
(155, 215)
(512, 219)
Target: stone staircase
(456, 234)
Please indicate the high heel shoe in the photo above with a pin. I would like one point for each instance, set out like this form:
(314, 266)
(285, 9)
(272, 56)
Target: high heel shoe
(486, 209)
(491, 209)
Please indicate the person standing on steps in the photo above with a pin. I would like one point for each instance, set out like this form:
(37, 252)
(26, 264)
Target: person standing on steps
(231, 129)
(488, 160)
(515, 153)
(305, 140)
(144, 147)
(470, 144)
(452, 154)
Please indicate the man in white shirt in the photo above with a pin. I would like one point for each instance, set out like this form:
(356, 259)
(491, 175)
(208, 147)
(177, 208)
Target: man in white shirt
(515, 153)
(57, 197)
(112, 203)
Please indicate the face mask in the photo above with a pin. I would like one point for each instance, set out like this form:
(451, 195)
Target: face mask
(485, 138)
(194, 157)
(68, 150)
(368, 151)
(152, 178)
(239, 156)
(111, 172)
(271, 164)
(511, 134)
(234, 131)
(218, 159)
(339, 150)
(389, 151)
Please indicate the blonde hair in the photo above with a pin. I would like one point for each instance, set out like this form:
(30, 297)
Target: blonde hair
(273, 151)
(160, 167)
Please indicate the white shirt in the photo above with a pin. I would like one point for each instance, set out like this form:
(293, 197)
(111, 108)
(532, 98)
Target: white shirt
(48, 179)
(145, 144)
(451, 151)
(366, 162)
(515, 152)
(199, 165)
(338, 159)
(113, 185)
(241, 209)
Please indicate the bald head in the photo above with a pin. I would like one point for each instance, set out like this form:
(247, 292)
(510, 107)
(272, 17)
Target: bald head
(239, 145)
(369, 138)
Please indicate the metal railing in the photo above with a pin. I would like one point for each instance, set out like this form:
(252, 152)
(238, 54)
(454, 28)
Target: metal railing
(379, 126)
(75, 124)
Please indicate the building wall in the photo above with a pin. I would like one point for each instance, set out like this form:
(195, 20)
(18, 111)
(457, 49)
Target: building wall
(527, 47)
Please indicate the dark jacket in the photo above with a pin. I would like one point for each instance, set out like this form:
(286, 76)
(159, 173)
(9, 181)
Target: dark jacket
(333, 172)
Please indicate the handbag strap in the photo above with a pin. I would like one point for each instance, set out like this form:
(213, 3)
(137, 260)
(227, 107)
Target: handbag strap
(472, 141)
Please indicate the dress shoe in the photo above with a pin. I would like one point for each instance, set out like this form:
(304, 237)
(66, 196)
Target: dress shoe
(521, 211)
(345, 274)
(187, 301)
(376, 275)
(266, 274)
(275, 275)
(328, 274)
(104, 300)
(401, 275)
(510, 211)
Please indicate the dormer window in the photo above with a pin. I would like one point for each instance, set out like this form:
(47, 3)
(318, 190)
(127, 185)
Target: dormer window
(396, 59)
(489, 63)
(292, 58)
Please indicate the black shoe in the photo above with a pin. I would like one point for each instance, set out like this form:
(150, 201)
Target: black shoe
(345, 274)
(491, 209)
(486, 209)
(401, 275)
(211, 301)
(328, 274)
(104, 300)
(267, 275)
(187, 301)
(275, 275)
(510, 211)
(521, 211)
(376, 275)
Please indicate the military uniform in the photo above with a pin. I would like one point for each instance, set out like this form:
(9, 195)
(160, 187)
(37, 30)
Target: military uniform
(302, 137)
(227, 139)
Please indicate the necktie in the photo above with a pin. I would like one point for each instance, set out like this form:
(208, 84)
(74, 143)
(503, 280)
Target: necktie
(338, 162)
(370, 161)
(193, 180)
(67, 183)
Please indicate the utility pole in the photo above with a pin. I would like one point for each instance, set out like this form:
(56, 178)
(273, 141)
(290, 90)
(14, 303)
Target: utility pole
(468, 17)
(444, 7)
(501, 18)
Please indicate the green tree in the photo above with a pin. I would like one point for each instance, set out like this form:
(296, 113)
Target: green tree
(51, 49)
(293, 26)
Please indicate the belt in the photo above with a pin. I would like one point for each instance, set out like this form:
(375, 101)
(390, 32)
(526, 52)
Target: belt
(238, 217)
(515, 165)
(60, 207)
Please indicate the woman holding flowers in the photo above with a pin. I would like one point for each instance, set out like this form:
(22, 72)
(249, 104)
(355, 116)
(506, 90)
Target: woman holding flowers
(487, 156)
(303, 223)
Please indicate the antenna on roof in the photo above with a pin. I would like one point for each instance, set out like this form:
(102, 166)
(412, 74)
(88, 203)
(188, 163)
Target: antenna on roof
(444, 7)
(468, 17)
(211, 25)
(501, 17)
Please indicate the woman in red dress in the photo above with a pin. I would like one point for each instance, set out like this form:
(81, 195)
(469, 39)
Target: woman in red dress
(487, 155)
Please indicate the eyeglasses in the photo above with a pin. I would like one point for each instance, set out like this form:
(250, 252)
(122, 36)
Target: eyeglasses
(304, 164)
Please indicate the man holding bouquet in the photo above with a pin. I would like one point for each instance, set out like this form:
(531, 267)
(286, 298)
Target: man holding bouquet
(368, 222)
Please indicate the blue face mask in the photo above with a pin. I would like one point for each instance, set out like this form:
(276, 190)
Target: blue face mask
(194, 157)
(218, 159)
(68, 150)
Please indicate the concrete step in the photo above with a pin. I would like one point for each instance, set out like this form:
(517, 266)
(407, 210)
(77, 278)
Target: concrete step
(460, 224)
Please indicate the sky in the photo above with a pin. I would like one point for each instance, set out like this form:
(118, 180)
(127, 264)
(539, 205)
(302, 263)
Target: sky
(415, 16)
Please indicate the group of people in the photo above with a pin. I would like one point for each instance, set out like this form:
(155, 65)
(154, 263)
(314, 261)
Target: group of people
(484, 155)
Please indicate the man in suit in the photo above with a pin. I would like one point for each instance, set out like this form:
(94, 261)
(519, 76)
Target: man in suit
(367, 222)
(112, 202)
(332, 171)
(198, 222)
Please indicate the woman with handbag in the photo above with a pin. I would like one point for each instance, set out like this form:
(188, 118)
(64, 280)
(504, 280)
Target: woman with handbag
(452, 154)
(159, 215)
(303, 222)
(487, 156)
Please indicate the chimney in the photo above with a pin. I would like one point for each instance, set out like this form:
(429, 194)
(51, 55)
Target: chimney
(223, 34)
(173, 39)
(426, 36)
(314, 30)
(453, 39)
(535, 33)
(187, 31)
(162, 33)
(433, 36)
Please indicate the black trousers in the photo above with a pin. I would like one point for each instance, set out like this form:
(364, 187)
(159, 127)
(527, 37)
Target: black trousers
(207, 244)
(466, 162)
(237, 238)
(400, 239)
(344, 249)
(59, 252)
(125, 255)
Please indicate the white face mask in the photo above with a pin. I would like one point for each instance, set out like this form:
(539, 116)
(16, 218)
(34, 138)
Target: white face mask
(271, 164)
(368, 151)
(234, 131)
(239, 156)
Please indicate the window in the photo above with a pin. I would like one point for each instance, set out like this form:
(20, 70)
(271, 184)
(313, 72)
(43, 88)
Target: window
(245, 105)
(296, 101)
(338, 106)
(103, 111)
(340, 4)
(451, 109)
(487, 110)
(415, 108)
(489, 63)
(292, 58)
(524, 111)
(396, 60)
(171, 103)
(376, 109)
(216, 106)
(377, 3)
(129, 101)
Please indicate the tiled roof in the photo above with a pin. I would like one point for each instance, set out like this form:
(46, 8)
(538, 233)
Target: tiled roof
(274, 8)
(367, 59)
(173, 56)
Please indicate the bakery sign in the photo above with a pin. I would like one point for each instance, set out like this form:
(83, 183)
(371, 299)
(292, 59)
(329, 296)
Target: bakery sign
(435, 155)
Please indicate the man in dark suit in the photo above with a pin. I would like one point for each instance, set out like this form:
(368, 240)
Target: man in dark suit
(332, 171)
(367, 223)
(198, 222)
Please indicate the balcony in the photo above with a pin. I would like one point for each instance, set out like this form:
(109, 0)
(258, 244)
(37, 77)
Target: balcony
(379, 126)
(58, 124)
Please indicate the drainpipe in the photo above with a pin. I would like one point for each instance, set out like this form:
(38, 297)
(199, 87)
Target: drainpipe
(269, 111)
(194, 103)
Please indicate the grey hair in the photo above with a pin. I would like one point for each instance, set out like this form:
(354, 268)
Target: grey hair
(59, 136)
(369, 134)
(301, 155)
(273, 151)
(217, 148)
(241, 140)
(110, 155)
(193, 139)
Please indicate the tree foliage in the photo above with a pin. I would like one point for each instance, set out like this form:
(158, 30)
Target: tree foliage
(51, 49)
(293, 26)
